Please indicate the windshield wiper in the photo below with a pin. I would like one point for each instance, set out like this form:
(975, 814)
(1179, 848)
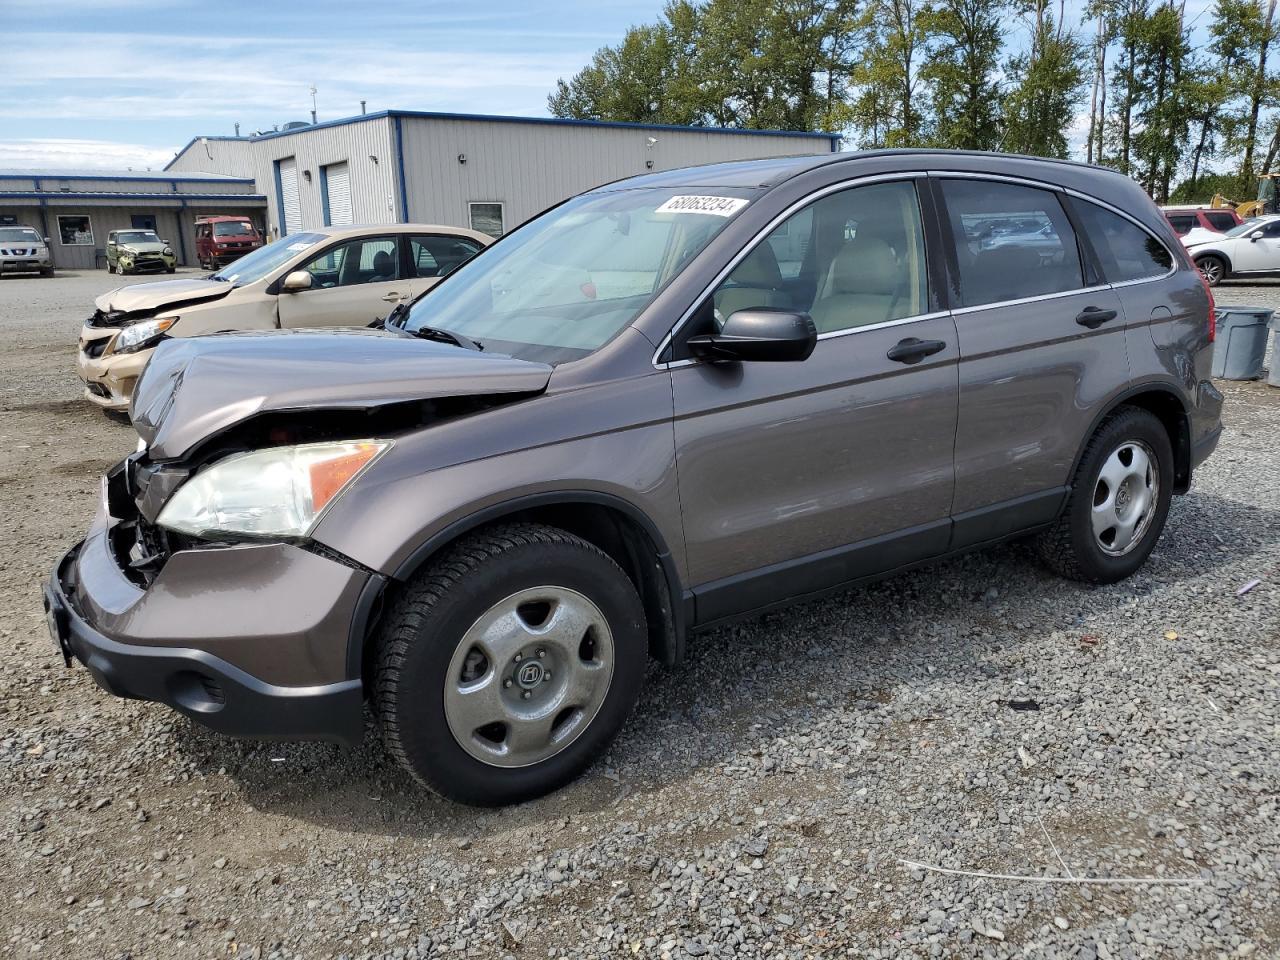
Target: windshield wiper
(442, 335)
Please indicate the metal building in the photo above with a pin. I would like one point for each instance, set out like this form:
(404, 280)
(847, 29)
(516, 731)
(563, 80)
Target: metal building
(488, 173)
(77, 209)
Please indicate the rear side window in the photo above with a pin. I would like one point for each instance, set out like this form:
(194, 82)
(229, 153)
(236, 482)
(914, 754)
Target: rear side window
(1012, 242)
(1220, 220)
(1125, 250)
(1182, 222)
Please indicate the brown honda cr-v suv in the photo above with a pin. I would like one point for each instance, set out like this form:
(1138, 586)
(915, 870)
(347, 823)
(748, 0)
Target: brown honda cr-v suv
(666, 403)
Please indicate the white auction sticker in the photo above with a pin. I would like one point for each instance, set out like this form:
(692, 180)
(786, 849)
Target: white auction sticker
(715, 206)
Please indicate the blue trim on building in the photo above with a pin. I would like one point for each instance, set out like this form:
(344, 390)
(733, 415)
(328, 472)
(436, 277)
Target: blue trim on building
(128, 175)
(404, 190)
(127, 198)
(833, 138)
(284, 229)
(324, 195)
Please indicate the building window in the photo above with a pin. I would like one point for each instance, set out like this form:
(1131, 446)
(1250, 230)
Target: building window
(75, 231)
(486, 217)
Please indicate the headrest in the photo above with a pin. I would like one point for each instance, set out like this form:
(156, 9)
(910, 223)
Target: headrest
(382, 263)
(864, 266)
(759, 269)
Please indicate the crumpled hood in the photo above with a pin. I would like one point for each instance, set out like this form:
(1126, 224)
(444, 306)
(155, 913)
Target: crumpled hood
(146, 246)
(195, 387)
(161, 293)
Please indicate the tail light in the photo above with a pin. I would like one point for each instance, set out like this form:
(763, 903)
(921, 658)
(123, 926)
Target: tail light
(1213, 309)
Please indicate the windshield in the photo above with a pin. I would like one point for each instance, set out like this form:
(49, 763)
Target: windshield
(137, 236)
(236, 228)
(254, 266)
(1247, 227)
(19, 235)
(564, 284)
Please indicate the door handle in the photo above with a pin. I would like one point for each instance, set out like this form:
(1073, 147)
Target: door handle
(393, 297)
(913, 350)
(1094, 317)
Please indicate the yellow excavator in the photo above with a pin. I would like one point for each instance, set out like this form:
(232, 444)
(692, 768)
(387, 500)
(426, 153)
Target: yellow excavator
(1266, 202)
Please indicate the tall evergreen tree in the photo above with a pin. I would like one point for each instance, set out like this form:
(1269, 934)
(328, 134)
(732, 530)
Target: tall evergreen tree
(963, 71)
(1046, 85)
(887, 110)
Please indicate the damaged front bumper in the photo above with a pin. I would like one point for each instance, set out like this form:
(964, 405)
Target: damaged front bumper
(254, 640)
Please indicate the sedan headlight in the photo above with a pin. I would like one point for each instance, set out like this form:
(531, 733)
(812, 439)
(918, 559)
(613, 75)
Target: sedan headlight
(142, 335)
(278, 492)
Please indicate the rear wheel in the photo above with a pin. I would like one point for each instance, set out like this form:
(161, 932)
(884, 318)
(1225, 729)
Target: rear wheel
(507, 666)
(1213, 269)
(1118, 503)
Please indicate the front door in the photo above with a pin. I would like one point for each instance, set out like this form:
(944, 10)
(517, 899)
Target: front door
(1042, 351)
(1263, 254)
(795, 477)
(352, 284)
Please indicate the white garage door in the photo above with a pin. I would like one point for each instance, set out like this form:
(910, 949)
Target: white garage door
(338, 183)
(288, 169)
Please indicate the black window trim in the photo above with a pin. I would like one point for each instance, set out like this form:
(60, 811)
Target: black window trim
(664, 356)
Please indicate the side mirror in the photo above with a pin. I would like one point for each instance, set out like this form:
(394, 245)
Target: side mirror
(1255, 236)
(759, 334)
(46, 241)
(297, 281)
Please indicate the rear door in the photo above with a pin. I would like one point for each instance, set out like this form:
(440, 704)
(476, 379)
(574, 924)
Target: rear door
(352, 284)
(795, 477)
(1042, 350)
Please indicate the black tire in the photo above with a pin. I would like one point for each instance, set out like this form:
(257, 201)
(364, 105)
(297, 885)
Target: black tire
(1069, 547)
(1213, 268)
(46, 272)
(423, 627)
(170, 269)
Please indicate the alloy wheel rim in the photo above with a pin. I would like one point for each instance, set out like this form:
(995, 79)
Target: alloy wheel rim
(529, 676)
(1212, 272)
(1125, 497)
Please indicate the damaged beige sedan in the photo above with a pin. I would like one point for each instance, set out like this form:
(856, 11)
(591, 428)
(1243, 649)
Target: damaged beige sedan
(331, 277)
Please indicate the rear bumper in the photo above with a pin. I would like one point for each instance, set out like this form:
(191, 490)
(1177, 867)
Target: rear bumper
(164, 643)
(1206, 422)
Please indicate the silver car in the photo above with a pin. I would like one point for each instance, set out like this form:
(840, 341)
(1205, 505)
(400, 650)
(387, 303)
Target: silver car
(23, 250)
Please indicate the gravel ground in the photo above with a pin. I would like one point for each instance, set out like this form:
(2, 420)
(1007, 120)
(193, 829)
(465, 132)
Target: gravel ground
(979, 715)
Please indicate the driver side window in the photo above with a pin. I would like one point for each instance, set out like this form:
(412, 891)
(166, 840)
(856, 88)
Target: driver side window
(371, 260)
(850, 259)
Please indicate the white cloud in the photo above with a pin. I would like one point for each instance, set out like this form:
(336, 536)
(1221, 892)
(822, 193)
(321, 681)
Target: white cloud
(57, 154)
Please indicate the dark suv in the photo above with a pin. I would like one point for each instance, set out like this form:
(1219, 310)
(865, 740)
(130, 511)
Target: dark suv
(663, 404)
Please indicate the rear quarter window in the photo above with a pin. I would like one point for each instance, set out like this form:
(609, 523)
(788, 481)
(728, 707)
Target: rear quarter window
(1182, 222)
(1126, 251)
(1220, 221)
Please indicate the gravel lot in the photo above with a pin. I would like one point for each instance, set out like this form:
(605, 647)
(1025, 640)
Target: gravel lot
(979, 715)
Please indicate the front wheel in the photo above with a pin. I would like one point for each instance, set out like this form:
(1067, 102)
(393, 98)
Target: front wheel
(1213, 269)
(1118, 504)
(506, 667)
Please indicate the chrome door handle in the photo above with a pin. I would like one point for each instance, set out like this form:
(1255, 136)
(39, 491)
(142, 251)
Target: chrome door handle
(393, 297)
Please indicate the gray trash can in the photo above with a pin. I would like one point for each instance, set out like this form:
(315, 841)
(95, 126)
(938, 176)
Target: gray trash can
(1241, 343)
(1273, 377)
